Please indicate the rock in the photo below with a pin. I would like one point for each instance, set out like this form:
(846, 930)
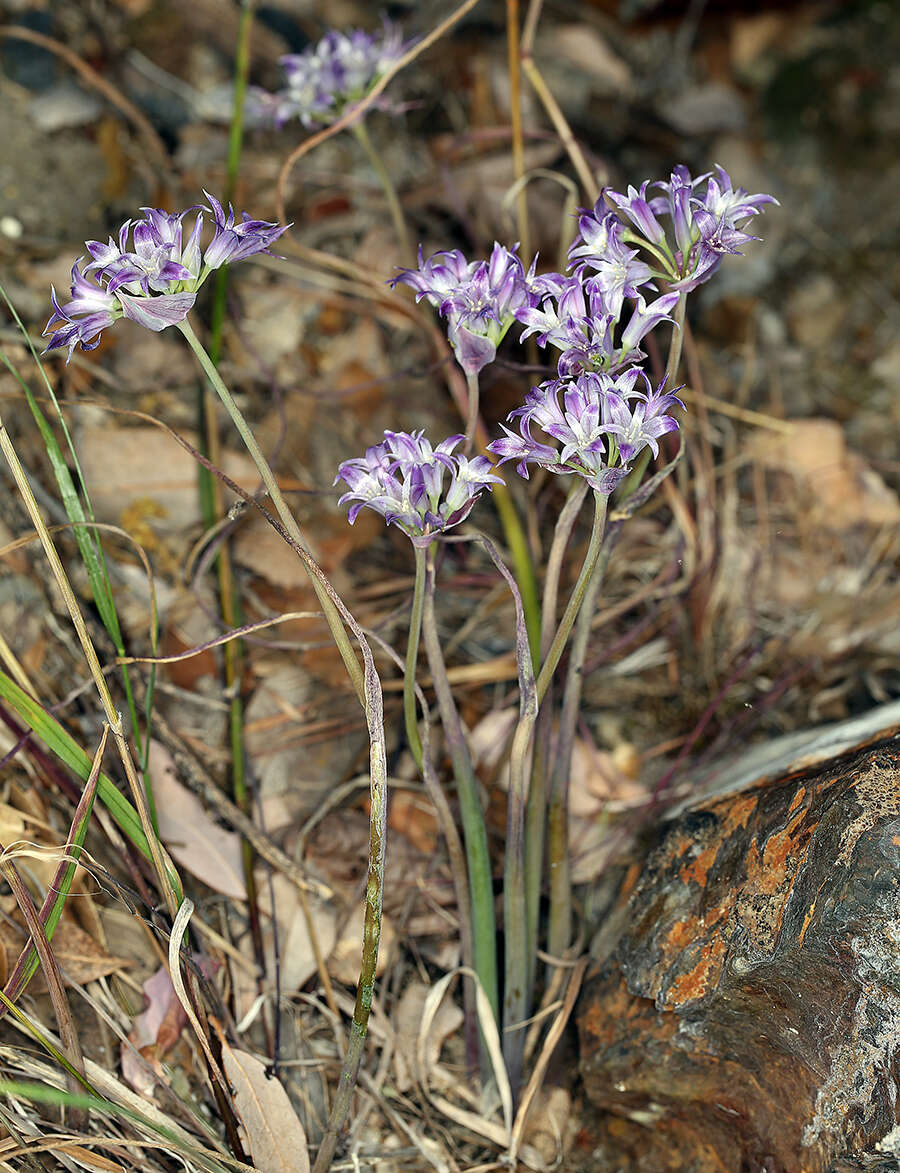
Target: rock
(748, 1018)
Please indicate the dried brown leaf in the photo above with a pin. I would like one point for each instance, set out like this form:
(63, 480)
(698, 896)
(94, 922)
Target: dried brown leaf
(274, 1135)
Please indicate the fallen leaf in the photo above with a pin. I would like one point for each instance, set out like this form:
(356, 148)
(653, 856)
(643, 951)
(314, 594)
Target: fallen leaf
(195, 840)
(274, 1135)
(80, 958)
(407, 1019)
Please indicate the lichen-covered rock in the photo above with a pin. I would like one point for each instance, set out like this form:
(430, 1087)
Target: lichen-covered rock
(748, 1019)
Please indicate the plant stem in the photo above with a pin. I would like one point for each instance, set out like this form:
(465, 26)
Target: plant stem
(287, 518)
(211, 494)
(523, 565)
(412, 656)
(455, 852)
(481, 888)
(636, 475)
(387, 186)
(560, 920)
(516, 1000)
(536, 807)
(472, 414)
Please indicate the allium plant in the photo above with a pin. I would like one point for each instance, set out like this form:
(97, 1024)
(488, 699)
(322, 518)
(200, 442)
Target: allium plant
(479, 299)
(426, 491)
(328, 77)
(150, 273)
(403, 480)
(702, 226)
(600, 421)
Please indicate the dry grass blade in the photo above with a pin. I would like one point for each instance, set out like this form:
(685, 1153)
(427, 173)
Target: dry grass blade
(275, 1136)
(537, 1075)
(179, 928)
(488, 1025)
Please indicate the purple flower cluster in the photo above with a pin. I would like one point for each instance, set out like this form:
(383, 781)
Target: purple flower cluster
(403, 480)
(326, 78)
(704, 226)
(598, 422)
(581, 319)
(153, 282)
(479, 299)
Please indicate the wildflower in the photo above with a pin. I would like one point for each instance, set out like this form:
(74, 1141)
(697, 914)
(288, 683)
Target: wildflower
(403, 479)
(579, 317)
(601, 423)
(153, 282)
(619, 272)
(479, 299)
(341, 69)
(705, 227)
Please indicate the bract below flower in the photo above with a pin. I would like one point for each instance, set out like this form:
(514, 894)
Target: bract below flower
(153, 282)
(403, 479)
(479, 299)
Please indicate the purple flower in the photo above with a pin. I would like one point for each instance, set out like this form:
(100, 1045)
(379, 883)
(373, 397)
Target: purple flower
(153, 282)
(597, 423)
(576, 316)
(619, 273)
(403, 479)
(339, 70)
(704, 227)
(235, 242)
(479, 299)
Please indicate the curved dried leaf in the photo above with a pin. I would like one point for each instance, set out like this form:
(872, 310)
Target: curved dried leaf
(275, 1136)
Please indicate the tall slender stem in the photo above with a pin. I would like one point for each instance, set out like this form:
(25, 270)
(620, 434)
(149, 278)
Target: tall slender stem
(455, 852)
(481, 887)
(560, 921)
(472, 410)
(287, 518)
(412, 656)
(516, 1000)
(523, 565)
(536, 807)
(387, 186)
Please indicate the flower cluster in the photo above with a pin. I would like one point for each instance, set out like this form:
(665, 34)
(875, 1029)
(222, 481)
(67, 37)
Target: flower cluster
(599, 422)
(403, 480)
(581, 319)
(153, 278)
(479, 299)
(326, 78)
(704, 227)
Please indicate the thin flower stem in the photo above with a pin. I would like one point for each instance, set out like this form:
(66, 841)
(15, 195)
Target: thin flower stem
(211, 494)
(167, 877)
(412, 656)
(472, 411)
(516, 1000)
(287, 518)
(548, 667)
(523, 565)
(560, 920)
(422, 756)
(387, 186)
(636, 475)
(536, 808)
(481, 887)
